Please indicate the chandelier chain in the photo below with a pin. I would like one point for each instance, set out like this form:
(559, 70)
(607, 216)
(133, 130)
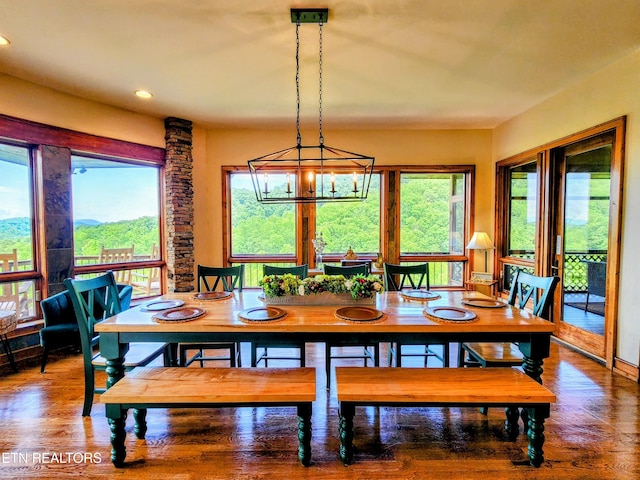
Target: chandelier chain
(321, 136)
(298, 136)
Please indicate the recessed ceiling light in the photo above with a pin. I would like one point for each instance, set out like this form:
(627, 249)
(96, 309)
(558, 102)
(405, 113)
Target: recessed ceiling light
(143, 94)
(4, 41)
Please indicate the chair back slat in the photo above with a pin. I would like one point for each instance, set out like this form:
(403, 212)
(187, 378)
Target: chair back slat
(539, 290)
(416, 275)
(347, 271)
(229, 278)
(302, 271)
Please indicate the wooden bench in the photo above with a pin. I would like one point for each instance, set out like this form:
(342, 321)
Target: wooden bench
(412, 387)
(149, 387)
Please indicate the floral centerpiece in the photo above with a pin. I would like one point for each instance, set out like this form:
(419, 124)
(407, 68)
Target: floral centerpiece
(321, 289)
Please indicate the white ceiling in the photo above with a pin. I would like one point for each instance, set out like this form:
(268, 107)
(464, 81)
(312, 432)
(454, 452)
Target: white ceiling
(406, 63)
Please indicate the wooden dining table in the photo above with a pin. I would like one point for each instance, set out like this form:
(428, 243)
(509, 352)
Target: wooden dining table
(403, 320)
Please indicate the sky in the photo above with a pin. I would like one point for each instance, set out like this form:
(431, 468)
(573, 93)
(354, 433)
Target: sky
(102, 194)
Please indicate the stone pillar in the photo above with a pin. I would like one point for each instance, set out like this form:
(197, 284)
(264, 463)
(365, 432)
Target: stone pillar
(55, 164)
(179, 204)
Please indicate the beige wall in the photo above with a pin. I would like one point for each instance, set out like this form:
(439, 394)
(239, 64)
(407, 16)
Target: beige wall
(44, 105)
(608, 94)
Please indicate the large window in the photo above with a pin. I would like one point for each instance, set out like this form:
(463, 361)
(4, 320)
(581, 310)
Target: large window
(116, 218)
(433, 220)
(16, 223)
(412, 215)
(354, 225)
(258, 229)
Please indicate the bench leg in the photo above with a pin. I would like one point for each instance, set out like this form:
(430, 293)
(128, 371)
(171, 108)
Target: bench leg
(536, 434)
(511, 423)
(140, 417)
(304, 434)
(345, 429)
(117, 418)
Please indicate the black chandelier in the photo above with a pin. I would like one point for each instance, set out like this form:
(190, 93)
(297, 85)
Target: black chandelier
(311, 173)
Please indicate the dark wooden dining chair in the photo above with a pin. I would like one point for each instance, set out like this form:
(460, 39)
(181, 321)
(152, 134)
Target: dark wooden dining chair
(211, 279)
(93, 301)
(524, 288)
(370, 351)
(301, 271)
(397, 277)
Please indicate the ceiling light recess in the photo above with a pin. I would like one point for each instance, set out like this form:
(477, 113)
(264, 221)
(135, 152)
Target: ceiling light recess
(143, 94)
(320, 170)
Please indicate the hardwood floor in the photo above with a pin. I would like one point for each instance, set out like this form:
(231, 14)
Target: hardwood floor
(593, 433)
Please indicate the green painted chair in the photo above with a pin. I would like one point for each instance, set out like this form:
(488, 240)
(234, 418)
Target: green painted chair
(211, 279)
(370, 351)
(301, 271)
(524, 287)
(60, 325)
(94, 300)
(396, 277)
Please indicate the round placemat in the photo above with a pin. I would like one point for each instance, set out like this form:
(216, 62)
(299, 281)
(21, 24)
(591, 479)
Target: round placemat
(449, 314)
(419, 295)
(358, 314)
(212, 295)
(158, 305)
(183, 314)
(262, 314)
(483, 302)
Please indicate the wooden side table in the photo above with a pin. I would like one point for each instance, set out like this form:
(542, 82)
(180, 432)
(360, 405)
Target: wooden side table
(483, 286)
(8, 322)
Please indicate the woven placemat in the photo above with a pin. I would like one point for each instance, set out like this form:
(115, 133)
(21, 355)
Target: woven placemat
(211, 296)
(449, 314)
(262, 314)
(178, 315)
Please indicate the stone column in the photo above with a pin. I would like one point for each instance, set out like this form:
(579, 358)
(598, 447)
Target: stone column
(55, 164)
(179, 204)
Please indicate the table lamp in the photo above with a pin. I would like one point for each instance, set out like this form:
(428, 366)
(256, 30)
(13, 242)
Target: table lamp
(481, 241)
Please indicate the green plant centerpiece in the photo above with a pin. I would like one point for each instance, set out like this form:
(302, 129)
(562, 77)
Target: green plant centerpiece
(321, 289)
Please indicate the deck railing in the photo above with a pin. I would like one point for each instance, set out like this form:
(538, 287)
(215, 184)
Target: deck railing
(574, 271)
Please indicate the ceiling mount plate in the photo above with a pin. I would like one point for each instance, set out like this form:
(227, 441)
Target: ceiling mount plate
(309, 15)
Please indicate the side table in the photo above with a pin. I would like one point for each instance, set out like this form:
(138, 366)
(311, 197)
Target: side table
(486, 285)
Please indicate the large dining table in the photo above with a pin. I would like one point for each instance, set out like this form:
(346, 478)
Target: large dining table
(403, 320)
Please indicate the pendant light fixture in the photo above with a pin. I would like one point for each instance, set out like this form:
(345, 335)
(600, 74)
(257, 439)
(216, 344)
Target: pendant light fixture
(314, 173)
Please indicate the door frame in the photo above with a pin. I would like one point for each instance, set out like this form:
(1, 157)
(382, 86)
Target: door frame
(548, 192)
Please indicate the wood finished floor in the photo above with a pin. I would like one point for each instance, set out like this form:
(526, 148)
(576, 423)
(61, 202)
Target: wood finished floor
(593, 433)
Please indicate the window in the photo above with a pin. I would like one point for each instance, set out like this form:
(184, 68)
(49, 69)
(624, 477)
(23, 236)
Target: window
(430, 206)
(523, 210)
(259, 229)
(433, 221)
(116, 218)
(354, 225)
(16, 227)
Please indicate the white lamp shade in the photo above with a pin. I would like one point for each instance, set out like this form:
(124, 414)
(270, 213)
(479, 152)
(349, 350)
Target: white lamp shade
(480, 241)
